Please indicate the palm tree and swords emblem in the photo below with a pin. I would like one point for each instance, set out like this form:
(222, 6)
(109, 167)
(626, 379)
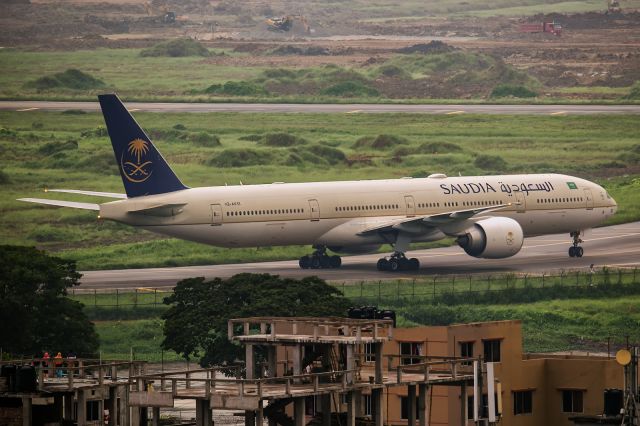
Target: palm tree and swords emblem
(139, 171)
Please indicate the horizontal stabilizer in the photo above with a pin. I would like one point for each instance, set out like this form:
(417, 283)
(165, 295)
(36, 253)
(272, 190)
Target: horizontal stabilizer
(91, 193)
(162, 210)
(59, 203)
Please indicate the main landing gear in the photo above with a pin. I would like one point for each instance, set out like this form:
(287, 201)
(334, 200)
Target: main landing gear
(320, 260)
(398, 262)
(575, 250)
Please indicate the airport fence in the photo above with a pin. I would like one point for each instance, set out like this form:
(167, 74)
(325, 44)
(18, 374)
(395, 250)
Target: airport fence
(448, 289)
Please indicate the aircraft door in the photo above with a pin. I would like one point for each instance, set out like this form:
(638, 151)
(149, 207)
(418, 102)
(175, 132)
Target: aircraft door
(588, 196)
(216, 215)
(314, 207)
(411, 205)
(521, 207)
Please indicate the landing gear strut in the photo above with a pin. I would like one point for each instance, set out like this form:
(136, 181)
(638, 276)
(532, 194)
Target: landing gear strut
(319, 259)
(398, 262)
(575, 250)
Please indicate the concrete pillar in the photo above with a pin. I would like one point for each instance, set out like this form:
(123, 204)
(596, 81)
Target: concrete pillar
(249, 362)
(463, 404)
(298, 411)
(112, 406)
(411, 405)
(155, 421)
(297, 359)
(423, 389)
(325, 407)
(351, 408)
(124, 411)
(378, 406)
(68, 406)
(350, 363)
(259, 415)
(358, 402)
(203, 412)
(81, 419)
(378, 348)
(27, 411)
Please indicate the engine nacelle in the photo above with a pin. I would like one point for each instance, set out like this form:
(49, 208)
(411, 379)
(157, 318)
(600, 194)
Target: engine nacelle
(360, 249)
(492, 238)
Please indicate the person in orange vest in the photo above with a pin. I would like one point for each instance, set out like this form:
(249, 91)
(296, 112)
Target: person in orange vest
(57, 362)
(45, 364)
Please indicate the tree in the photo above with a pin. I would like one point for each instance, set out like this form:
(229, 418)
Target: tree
(35, 312)
(196, 322)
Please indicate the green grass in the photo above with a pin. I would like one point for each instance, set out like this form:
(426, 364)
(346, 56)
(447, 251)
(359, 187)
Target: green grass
(35, 152)
(119, 339)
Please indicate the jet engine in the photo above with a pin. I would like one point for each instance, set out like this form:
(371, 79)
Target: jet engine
(360, 249)
(492, 238)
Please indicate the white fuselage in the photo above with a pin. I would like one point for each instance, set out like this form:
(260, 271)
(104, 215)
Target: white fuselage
(334, 213)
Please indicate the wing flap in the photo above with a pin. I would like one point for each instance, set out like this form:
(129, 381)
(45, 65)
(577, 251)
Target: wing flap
(419, 224)
(60, 203)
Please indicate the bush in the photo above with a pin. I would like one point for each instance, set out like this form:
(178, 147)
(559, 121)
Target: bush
(55, 147)
(350, 89)
(236, 88)
(180, 126)
(394, 71)
(331, 155)
(176, 48)
(69, 79)
(204, 139)
(634, 93)
(282, 139)
(4, 178)
(439, 148)
(380, 142)
(516, 91)
(240, 158)
(251, 138)
(99, 131)
(490, 162)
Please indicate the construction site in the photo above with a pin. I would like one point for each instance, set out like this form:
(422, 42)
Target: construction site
(562, 51)
(336, 371)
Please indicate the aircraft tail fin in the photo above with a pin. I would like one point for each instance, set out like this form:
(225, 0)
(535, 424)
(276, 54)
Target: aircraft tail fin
(143, 169)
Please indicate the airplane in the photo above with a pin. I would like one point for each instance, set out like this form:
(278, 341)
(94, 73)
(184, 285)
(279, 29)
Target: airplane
(489, 216)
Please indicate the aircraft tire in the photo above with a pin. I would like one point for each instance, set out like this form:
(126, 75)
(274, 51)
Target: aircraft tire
(414, 264)
(304, 262)
(316, 263)
(572, 251)
(383, 264)
(394, 265)
(579, 251)
(335, 261)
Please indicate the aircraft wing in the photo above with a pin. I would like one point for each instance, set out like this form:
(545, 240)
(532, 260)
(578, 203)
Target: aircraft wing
(92, 193)
(418, 224)
(72, 204)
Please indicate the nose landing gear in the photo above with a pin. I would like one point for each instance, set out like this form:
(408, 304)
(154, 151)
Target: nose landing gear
(319, 259)
(575, 250)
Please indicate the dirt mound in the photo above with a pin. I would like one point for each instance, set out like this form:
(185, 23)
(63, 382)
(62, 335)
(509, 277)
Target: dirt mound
(69, 79)
(434, 46)
(302, 51)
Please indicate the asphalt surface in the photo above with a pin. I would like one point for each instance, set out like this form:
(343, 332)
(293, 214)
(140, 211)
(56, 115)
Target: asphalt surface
(26, 106)
(614, 246)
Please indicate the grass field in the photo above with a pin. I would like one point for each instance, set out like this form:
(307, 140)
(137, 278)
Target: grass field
(67, 150)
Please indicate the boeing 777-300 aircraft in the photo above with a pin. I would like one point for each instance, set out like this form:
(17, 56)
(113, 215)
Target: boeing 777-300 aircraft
(488, 215)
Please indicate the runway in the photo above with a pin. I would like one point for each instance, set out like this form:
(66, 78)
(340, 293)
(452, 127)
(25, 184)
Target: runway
(26, 106)
(614, 246)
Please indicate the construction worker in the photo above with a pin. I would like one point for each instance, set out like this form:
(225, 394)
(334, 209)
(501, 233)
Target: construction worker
(57, 362)
(45, 364)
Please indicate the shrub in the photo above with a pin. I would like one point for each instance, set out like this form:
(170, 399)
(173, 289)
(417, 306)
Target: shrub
(379, 142)
(490, 162)
(204, 139)
(4, 178)
(393, 71)
(55, 147)
(236, 88)
(439, 148)
(350, 89)
(99, 131)
(69, 79)
(251, 138)
(634, 93)
(176, 48)
(331, 155)
(282, 139)
(516, 91)
(240, 158)
(180, 126)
